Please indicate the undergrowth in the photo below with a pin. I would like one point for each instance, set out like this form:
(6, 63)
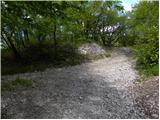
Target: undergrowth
(39, 57)
(13, 85)
(145, 69)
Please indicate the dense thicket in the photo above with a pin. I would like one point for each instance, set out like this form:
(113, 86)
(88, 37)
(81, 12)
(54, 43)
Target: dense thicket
(143, 33)
(31, 28)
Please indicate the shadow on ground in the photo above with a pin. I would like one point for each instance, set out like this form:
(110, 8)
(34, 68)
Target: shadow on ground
(71, 92)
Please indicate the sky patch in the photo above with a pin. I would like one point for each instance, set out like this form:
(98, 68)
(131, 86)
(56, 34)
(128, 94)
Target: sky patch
(128, 4)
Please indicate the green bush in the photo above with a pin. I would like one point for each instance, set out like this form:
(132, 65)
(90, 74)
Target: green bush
(147, 59)
(147, 55)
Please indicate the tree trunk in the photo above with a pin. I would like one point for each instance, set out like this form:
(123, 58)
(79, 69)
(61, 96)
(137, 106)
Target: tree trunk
(109, 41)
(103, 40)
(26, 35)
(55, 42)
(12, 46)
(14, 50)
(22, 39)
(6, 41)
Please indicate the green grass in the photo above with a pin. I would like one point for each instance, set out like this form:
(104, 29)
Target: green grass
(149, 71)
(13, 85)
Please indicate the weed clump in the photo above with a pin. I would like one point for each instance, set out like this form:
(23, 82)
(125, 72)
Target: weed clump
(18, 82)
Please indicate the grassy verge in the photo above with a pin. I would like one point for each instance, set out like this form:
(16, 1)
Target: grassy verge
(13, 85)
(149, 71)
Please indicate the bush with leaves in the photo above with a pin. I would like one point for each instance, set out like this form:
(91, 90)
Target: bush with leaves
(144, 27)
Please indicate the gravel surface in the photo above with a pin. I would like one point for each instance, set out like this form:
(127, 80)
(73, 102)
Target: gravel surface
(99, 89)
(147, 97)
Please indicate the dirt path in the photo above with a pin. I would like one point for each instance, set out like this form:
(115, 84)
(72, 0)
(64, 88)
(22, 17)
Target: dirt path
(100, 89)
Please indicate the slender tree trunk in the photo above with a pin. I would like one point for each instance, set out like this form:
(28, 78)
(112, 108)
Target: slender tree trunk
(26, 35)
(6, 41)
(39, 38)
(14, 50)
(22, 39)
(103, 40)
(86, 30)
(12, 46)
(109, 41)
(55, 42)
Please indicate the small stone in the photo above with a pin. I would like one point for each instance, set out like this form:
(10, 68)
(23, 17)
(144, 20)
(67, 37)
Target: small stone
(80, 97)
(155, 115)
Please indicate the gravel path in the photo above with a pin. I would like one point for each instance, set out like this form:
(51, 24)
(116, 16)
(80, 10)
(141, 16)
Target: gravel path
(99, 89)
(147, 97)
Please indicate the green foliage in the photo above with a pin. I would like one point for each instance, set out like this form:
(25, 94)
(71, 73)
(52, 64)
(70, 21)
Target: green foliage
(25, 22)
(143, 32)
(35, 32)
(14, 84)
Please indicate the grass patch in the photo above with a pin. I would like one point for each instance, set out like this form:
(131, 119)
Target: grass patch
(149, 71)
(13, 85)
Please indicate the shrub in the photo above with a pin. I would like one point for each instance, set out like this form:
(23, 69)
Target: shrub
(147, 55)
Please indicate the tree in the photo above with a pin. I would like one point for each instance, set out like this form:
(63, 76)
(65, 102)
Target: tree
(143, 26)
(25, 23)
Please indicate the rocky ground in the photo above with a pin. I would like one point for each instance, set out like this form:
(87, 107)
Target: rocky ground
(147, 97)
(100, 89)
